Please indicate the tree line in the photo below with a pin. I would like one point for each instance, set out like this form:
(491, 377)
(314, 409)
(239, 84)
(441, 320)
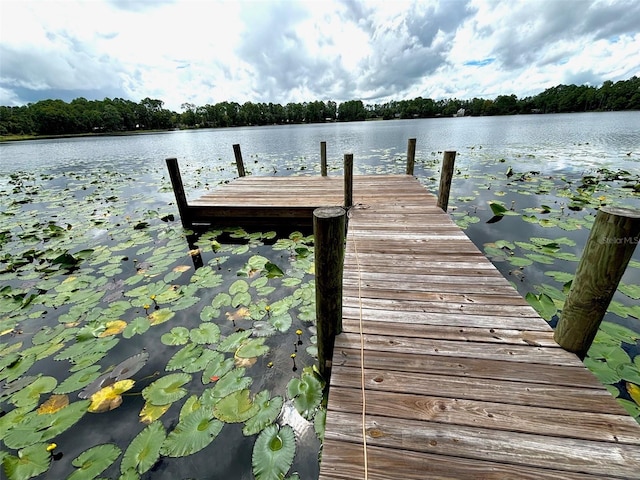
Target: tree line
(56, 117)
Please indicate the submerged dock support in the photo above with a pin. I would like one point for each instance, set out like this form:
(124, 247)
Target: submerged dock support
(178, 190)
(448, 161)
(411, 155)
(329, 232)
(613, 238)
(239, 163)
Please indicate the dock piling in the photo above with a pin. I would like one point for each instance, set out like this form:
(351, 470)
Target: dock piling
(448, 161)
(613, 238)
(240, 164)
(329, 234)
(178, 190)
(411, 155)
(323, 159)
(348, 180)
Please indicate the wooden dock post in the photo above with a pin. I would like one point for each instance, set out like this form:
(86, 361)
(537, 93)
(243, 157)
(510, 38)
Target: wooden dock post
(329, 234)
(613, 238)
(348, 180)
(323, 159)
(448, 161)
(178, 190)
(411, 155)
(239, 162)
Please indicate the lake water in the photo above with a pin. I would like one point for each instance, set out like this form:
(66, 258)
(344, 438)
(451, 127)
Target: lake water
(560, 143)
(109, 181)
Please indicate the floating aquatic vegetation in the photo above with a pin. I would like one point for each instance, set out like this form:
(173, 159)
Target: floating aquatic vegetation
(30, 462)
(93, 461)
(273, 452)
(194, 432)
(144, 450)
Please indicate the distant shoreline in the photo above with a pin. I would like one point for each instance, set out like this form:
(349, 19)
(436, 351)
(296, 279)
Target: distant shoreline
(20, 138)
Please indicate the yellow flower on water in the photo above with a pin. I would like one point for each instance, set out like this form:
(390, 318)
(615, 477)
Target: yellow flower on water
(293, 355)
(298, 332)
(51, 446)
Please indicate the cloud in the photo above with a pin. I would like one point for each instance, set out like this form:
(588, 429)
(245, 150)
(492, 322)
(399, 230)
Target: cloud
(284, 50)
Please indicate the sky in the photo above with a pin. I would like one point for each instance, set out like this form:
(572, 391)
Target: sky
(210, 51)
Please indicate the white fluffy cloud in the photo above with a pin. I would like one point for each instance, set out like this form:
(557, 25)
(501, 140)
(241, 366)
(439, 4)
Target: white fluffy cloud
(281, 51)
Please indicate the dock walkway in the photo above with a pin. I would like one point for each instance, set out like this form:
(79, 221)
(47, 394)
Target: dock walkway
(461, 377)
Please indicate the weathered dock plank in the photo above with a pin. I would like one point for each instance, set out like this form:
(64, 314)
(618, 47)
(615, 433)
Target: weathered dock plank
(461, 377)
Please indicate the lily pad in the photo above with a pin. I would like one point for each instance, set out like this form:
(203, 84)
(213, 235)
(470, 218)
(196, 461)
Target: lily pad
(231, 382)
(160, 316)
(269, 408)
(306, 393)
(254, 347)
(167, 389)
(233, 341)
(144, 450)
(543, 304)
(217, 367)
(206, 333)
(236, 407)
(273, 452)
(30, 395)
(150, 413)
(109, 397)
(93, 461)
(34, 427)
(192, 434)
(190, 359)
(177, 336)
(30, 462)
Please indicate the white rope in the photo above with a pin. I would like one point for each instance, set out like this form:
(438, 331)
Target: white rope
(362, 376)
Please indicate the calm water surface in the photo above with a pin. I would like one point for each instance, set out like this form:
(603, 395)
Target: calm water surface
(557, 146)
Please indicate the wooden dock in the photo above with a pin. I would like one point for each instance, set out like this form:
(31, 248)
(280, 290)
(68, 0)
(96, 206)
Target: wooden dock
(461, 377)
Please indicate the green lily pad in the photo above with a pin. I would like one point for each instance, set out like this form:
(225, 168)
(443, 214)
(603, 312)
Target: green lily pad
(269, 409)
(206, 333)
(233, 341)
(217, 367)
(137, 326)
(263, 329)
(236, 407)
(221, 300)
(93, 461)
(167, 389)
(177, 336)
(192, 434)
(78, 380)
(239, 286)
(631, 291)
(19, 365)
(273, 452)
(543, 304)
(231, 382)
(34, 427)
(144, 450)
(281, 322)
(30, 395)
(306, 393)
(190, 359)
(30, 462)
(250, 348)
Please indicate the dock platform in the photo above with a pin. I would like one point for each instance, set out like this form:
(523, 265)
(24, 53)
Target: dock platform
(459, 376)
